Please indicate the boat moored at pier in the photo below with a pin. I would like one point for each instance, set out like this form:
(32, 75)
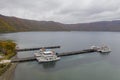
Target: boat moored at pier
(46, 56)
(102, 49)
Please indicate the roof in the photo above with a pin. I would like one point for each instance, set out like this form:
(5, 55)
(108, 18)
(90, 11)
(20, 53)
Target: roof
(48, 52)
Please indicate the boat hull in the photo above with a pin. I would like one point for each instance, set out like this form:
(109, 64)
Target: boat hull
(104, 51)
(41, 60)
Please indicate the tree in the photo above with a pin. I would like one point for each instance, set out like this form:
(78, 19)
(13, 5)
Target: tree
(7, 47)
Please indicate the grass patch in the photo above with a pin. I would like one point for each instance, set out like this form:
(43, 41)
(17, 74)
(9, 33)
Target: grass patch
(8, 56)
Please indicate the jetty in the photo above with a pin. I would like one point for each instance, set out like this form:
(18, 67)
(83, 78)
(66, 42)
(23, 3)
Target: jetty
(23, 59)
(58, 54)
(76, 52)
(31, 49)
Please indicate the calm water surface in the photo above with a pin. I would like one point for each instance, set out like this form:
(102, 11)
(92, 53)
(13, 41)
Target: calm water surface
(93, 66)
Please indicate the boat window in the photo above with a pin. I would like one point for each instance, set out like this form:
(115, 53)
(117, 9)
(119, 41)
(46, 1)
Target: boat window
(47, 53)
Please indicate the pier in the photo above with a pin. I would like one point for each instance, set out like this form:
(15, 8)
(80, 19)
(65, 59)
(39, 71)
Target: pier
(58, 54)
(31, 49)
(76, 52)
(23, 59)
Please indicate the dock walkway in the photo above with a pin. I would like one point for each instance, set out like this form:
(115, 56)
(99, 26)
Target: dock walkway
(23, 59)
(76, 52)
(31, 49)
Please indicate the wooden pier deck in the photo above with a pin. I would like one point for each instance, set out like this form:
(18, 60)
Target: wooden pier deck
(23, 59)
(76, 52)
(31, 49)
(59, 54)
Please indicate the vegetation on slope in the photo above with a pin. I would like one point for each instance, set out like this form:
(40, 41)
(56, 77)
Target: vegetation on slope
(5, 27)
(7, 50)
(12, 24)
(7, 47)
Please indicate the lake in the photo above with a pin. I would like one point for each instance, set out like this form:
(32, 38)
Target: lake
(90, 66)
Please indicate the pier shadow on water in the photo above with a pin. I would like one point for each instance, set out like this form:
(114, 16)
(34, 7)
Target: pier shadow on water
(104, 54)
(48, 65)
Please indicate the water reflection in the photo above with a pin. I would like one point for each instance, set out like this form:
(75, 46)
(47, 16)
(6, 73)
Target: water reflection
(104, 54)
(48, 65)
(76, 62)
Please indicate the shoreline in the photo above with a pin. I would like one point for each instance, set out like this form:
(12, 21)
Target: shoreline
(9, 74)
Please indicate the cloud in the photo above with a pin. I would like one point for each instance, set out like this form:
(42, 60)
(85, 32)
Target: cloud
(65, 11)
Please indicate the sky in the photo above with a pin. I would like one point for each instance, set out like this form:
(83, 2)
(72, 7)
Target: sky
(64, 11)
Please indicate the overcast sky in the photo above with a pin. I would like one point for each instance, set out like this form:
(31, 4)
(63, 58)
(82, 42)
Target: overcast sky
(65, 11)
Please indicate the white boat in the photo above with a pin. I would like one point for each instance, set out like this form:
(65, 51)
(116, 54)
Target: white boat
(94, 47)
(104, 49)
(46, 56)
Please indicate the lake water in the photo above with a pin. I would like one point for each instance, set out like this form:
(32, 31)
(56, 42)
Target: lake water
(93, 66)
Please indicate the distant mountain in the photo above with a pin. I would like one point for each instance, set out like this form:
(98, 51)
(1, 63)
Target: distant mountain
(97, 26)
(13, 24)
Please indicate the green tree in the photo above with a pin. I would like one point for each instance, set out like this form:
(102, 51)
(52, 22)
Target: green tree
(7, 47)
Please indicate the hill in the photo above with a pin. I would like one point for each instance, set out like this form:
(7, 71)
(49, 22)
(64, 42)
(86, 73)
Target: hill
(13, 24)
(97, 26)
